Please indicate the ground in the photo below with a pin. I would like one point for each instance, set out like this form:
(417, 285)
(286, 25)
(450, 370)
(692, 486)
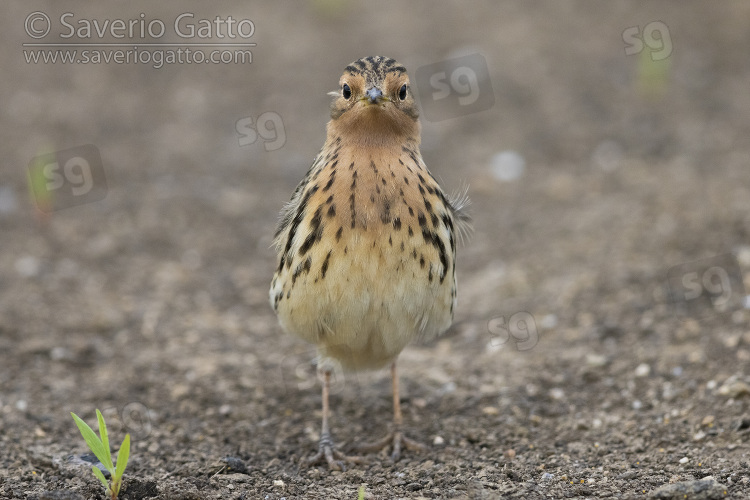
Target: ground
(609, 171)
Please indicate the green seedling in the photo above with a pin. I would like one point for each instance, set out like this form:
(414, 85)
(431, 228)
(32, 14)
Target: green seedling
(100, 447)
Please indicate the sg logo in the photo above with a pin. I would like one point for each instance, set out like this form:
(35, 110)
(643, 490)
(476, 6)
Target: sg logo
(67, 178)
(455, 87)
(521, 328)
(708, 286)
(655, 36)
(274, 136)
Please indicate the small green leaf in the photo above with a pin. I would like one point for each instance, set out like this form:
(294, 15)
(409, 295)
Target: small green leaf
(100, 476)
(92, 440)
(105, 442)
(122, 457)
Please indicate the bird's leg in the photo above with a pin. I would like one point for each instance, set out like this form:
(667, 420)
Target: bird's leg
(395, 438)
(327, 451)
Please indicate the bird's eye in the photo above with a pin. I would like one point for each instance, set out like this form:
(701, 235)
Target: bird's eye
(402, 92)
(346, 91)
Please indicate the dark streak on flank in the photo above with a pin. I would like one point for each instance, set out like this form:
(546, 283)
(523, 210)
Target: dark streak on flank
(352, 209)
(301, 267)
(433, 239)
(298, 217)
(316, 232)
(397, 223)
(324, 267)
(339, 233)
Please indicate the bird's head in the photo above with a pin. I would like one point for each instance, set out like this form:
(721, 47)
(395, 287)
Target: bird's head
(375, 98)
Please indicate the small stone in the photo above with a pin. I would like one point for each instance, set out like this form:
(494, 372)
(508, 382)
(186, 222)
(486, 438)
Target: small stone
(510, 454)
(699, 436)
(548, 322)
(278, 483)
(8, 200)
(608, 155)
(557, 393)
(708, 421)
(547, 476)
(643, 370)
(490, 410)
(507, 166)
(734, 389)
(438, 441)
(28, 266)
(684, 460)
(690, 490)
(596, 360)
(637, 405)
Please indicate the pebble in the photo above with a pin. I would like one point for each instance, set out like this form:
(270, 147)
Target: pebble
(490, 410)
(596, 360)
(608, 155)
(734, 389)
(507, 166)
(27, 266)
(690, 490)
(438, 441)
(556, 393)
(643, 370)
(8, 200)
(684, 460)
(548, 321)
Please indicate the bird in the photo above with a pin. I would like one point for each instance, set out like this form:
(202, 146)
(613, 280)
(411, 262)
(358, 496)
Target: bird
(367, 243)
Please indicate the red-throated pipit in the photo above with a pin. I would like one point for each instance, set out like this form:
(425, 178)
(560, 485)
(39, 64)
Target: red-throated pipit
(367, 244)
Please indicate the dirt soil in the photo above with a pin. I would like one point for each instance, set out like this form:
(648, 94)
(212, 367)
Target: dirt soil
(591, 355)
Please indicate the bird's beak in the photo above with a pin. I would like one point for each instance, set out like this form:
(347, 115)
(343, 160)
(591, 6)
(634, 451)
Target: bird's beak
(374, 96)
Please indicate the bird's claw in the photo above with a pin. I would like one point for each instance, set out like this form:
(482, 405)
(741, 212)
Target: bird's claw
(327, 453)
(395, 440)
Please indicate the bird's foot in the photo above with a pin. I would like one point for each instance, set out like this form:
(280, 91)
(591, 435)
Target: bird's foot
(327, 453)
(394, 440)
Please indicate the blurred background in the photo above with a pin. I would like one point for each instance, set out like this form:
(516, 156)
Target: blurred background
(604, 145)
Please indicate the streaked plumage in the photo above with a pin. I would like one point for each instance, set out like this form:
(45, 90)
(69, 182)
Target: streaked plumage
(367, 244)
